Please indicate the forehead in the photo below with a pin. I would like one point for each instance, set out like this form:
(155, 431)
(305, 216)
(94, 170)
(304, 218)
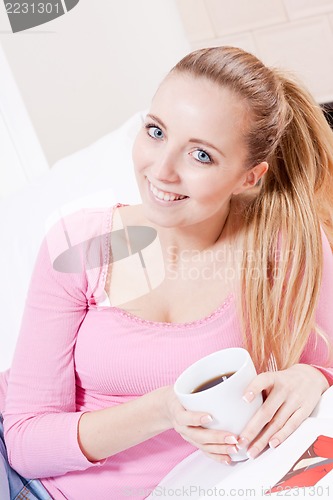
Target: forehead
(200, 104)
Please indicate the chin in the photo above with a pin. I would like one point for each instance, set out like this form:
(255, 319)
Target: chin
(159, 219)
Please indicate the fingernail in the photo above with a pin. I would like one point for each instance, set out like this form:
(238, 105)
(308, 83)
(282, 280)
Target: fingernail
(206, 419)
(230, 440)
(252, 452)
(242, 443)
(248, 397)
(232, 449)
(273, 443)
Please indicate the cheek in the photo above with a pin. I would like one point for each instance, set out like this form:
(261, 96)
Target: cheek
(212, 189)
(205, 184)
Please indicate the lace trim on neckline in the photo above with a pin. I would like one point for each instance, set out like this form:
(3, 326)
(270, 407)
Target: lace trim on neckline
(225, 304)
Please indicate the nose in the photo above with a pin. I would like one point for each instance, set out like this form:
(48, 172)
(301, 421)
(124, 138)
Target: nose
(165, 168)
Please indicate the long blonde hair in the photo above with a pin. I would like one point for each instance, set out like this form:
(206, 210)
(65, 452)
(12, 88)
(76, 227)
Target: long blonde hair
(283, 244)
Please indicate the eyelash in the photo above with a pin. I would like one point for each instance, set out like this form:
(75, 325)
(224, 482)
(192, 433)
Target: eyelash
(210, 162)
(147, 126)
(151, 125)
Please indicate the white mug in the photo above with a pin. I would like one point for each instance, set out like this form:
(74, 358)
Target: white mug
(224, 401)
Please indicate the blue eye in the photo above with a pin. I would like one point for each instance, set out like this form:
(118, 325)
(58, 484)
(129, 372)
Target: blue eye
(154, 132)
(202, 156)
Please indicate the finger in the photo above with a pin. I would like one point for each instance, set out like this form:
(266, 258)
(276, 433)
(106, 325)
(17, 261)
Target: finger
(203, 436)
(261, 418)
(190, 418)
(207, 442)
(290, 426)
(262, 382)
(218, 449)
(222, 459)
(284, 423)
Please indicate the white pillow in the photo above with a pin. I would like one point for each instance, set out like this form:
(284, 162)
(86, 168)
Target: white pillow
(99, 175)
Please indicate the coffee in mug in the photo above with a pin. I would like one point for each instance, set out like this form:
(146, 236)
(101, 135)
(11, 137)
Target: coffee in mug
(212, 382)
(201, 388)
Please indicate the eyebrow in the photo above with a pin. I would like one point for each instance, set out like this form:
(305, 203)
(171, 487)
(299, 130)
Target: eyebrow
(193, 139)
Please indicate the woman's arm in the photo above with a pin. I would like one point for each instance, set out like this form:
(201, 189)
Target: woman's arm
(40, 417)
(104, 433)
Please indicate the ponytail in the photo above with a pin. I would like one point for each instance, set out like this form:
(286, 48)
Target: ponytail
(295, 200)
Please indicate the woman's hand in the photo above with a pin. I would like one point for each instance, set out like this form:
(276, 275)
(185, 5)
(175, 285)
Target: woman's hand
(292, 394)
(217, 444)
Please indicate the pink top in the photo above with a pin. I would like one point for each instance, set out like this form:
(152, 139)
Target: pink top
(75, 355)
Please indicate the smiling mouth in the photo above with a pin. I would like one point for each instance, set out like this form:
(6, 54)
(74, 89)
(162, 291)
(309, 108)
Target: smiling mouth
(164, 195)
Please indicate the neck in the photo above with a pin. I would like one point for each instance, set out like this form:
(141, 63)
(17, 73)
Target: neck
(200, 237)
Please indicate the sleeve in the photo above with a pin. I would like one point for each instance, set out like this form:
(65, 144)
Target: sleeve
(318, 353)
(40, 416)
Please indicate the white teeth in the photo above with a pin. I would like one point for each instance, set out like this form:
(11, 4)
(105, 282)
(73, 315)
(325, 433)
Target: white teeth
(162, 195)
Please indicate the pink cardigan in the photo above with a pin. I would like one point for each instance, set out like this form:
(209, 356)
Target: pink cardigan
(75, 353)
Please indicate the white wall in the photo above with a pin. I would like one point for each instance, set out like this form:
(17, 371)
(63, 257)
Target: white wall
(85, 73)
(294, 34)
(21, 157)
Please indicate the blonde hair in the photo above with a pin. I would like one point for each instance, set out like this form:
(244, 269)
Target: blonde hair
(283, 244)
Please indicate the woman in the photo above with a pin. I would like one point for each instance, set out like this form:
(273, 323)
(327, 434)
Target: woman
(234, 163)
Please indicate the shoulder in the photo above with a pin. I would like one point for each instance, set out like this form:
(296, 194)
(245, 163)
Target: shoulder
(71, 235)
(129, 215)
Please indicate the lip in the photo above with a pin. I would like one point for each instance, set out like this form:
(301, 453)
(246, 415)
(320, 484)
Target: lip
(162, 203)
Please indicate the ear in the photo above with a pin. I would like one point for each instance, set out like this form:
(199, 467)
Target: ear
(251, 177)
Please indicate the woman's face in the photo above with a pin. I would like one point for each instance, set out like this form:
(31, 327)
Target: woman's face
(190, 154)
